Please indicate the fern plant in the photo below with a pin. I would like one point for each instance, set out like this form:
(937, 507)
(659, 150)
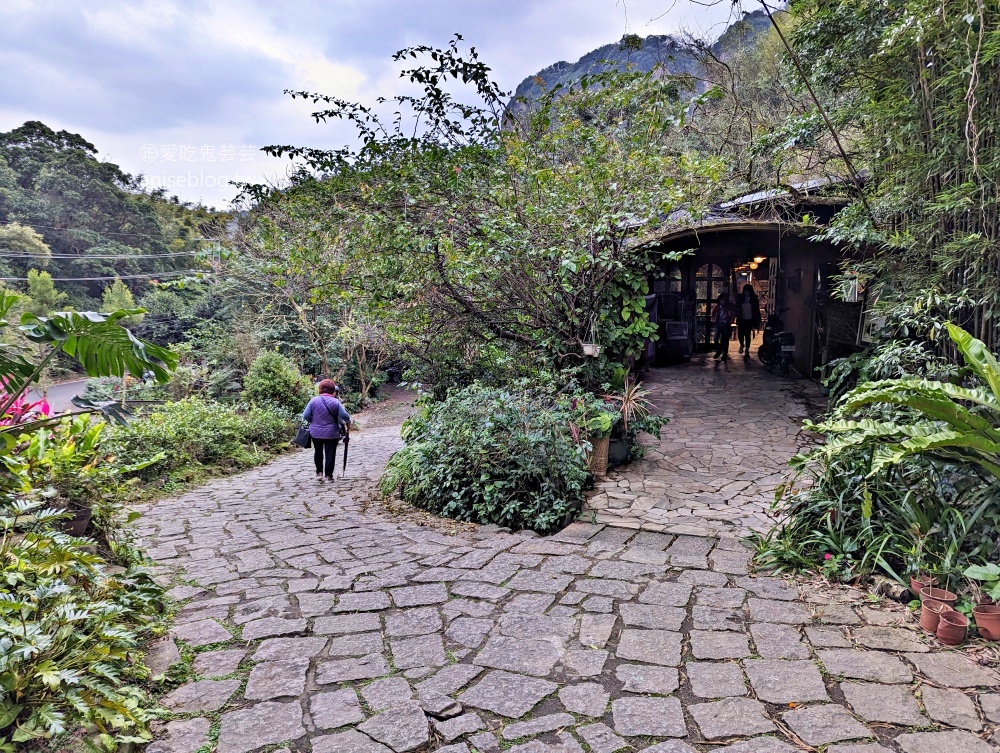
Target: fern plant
(957, 424)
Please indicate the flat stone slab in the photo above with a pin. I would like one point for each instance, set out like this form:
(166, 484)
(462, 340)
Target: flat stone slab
(652, 616)
(274, 649)
(182, 736)
(775, 641)
(252, 727)
(402, 728)
(650, 646)
(641, 678)
(537, 726)
(719, 644)
(161, 655)
(953, 670)
(716, 679)
(414, 596)
(990, 704)
(731, 717)
(587, 698)
(889, 639)
(201, 633)
(347, 742)
(786, 681)
(827, 637)
(416, 621)
(519, 655)
(507, 694)
(656, 717)
(274, 679)
(595, 629)
(550, 583)
(825, 723)
(858, 748)
(670, 746)
(382, 694)
(585, 663)
(666, 594)
(420, 651)
(335, 709)
(759, 745)
(271, 626)
(786, 612)
(952, 741)
(340, 624)
(359, 668)
(892, 704)
(865, 665)
(465, 724)
(601, 739)
(204, 695)
(951, 707)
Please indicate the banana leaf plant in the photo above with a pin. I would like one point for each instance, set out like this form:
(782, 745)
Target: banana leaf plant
(98, 342)
(957, 424)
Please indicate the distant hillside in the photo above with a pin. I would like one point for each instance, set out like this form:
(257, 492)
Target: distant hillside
(662, 50)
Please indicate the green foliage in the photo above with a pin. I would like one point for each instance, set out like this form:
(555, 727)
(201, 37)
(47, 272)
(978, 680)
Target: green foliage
(903, 481)
(68, 631)
(989, 576)
(274, 381)
(116, 297)
(43, 298)
(488, 455)
(957, 424)
(195, 437)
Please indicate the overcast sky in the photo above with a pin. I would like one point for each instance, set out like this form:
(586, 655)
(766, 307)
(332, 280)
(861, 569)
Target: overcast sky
(187, 91)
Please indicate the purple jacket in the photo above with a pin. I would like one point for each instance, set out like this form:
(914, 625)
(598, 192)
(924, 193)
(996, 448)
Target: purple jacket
(324, 423)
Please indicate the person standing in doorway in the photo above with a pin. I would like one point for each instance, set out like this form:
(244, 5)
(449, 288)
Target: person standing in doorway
(325, 414)
(722, 319)
(747, 318)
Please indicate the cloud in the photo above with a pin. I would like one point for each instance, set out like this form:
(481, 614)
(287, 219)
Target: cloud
(130, 74)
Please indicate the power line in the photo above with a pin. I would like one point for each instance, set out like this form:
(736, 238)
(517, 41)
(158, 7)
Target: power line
(83, 257)
(116, 277)
(161, 236)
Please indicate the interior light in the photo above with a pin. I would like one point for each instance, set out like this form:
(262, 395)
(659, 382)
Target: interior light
(753, 265)
(759, 259)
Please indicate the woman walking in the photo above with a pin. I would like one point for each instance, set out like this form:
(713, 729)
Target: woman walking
(325, 414)
(747, 318)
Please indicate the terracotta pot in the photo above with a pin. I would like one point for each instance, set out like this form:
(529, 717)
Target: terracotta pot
(930, 613)
(952, 628)
(938, 594)
(920, 582)
(987, 617)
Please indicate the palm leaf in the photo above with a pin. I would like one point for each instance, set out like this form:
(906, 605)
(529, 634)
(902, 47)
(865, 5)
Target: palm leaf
(977, 356)
(101, 345)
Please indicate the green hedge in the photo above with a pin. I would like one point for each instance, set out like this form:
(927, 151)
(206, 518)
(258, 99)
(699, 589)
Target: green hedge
(194, 435)
(489, 455)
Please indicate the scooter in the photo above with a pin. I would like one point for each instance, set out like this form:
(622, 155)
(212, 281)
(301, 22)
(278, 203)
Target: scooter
(778, 348)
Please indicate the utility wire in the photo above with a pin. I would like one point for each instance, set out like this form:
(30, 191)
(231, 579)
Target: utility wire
(83, 257)
(101, 232)
(116, 277)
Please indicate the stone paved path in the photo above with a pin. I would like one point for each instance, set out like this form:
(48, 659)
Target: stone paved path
(318, 626)
(732, 429)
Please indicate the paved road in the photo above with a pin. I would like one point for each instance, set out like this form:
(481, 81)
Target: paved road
(321, 624)
(60, 396)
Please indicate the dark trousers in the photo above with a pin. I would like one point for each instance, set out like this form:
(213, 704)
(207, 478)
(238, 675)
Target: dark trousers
(326, 447)
(722, 335)
(744, 330)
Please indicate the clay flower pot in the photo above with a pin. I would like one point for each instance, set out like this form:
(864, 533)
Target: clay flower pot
(952, 627)
(919, 582)
(987, 617)
(938, 594)
(930, 614)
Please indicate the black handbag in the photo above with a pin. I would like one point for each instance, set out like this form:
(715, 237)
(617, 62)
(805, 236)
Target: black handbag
(303, 438)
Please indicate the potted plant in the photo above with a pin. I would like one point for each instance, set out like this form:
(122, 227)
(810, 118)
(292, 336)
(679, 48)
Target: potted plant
(632, 416)
(592, 421)
(986, 613)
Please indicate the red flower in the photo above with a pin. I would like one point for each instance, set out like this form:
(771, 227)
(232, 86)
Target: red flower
(828, 556)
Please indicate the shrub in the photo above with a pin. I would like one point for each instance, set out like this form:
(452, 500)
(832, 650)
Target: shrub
(491, 455)
(195, 435)
(67, 633)
(273, 380)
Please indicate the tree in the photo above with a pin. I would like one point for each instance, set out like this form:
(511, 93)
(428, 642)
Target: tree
(18, 240)
(43, 298)
(471, 235)
(117, 296)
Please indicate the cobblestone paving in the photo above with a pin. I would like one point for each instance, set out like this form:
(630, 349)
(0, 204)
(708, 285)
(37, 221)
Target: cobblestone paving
(732, 429)
(320, 626)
